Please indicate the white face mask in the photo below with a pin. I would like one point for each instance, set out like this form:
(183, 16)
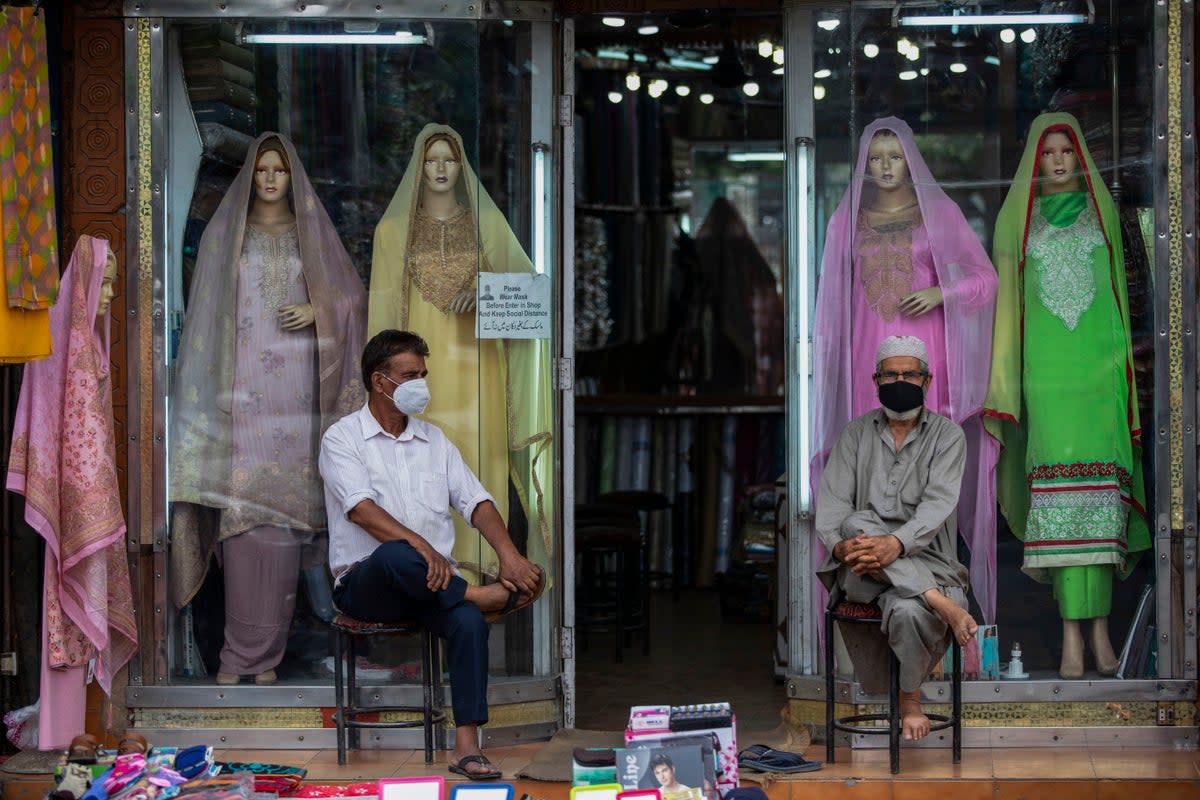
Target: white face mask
(410, 397)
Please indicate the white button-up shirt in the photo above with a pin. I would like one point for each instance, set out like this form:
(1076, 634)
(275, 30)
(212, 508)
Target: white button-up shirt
(416, 477)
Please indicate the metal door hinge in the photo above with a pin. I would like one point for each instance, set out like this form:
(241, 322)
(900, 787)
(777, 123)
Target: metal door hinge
(566, 642)
(566, 110)
(8, 664)
(566, 374)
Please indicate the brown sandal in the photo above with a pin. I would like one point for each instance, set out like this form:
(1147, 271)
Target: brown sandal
(82, 749)
(132, 743)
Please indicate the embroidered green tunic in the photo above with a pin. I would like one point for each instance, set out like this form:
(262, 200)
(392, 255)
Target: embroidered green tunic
(1080, 462)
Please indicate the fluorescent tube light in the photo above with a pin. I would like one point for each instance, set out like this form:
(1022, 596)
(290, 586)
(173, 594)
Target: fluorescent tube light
(760, 156)
(687, 63)
(921, 21)
(399, 37)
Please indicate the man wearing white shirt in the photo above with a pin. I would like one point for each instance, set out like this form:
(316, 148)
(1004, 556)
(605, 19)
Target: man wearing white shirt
(390, 482)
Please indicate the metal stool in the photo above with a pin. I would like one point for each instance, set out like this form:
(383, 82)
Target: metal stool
(645, 503)
(612, 594)
(869, 614)
(346, 632)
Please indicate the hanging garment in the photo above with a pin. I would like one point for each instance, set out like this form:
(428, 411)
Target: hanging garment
(64, 462)
(26, 162)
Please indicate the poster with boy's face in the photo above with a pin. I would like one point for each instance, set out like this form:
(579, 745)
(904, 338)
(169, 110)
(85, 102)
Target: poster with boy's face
(668, 768)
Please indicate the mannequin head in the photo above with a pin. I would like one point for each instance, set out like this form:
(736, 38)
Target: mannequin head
(887, 168)
(106, 286)
(442, 165)
(1058, 163)
(272, 173)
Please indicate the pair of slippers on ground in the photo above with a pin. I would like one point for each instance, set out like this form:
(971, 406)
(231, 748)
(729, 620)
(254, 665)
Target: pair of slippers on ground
(760, 758)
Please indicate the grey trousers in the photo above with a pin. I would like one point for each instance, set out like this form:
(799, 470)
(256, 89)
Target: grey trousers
(910, 628)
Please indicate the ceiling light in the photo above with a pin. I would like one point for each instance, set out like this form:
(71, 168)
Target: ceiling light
(614, 97)
(614, 22)
(759, 156)
(822, 73)
(659, 84)
(399, 37)
(908, 75)
(828, 24)
(711, 59)
(924, 71)
(993, 60)
(1008, 36)
(654, 90)
(765, 48)
(706, 98)
(1028, 35)
(633, 81)
(958, 67)
(870, 49)
(902, 45)
(750, 88)
(818, 92)
(920, 21)
(777, 71)
(913, 53)
(777, 56)
(683, 90)
(648, 30)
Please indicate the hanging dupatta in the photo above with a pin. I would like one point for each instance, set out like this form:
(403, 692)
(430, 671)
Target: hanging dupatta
(27, 162)
(968, 283)
(525, 363)
(63, 461)
(1004, 405)
(201, 476)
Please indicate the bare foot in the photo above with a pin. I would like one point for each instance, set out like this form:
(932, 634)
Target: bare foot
(1072, 656)
(490, 599)
(961, 623)
(1106, 659)
(913, 723)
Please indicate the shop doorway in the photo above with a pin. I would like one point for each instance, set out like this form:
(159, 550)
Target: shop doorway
(679, 259)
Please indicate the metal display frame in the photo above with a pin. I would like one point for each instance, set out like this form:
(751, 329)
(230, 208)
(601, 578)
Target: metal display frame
(524, 707)
(1175, 421)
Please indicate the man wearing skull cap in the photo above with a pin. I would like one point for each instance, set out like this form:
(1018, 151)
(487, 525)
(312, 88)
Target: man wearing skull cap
(886, 515)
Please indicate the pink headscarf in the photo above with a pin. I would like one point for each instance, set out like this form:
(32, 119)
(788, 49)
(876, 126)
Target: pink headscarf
(968, 282)
(64, 462)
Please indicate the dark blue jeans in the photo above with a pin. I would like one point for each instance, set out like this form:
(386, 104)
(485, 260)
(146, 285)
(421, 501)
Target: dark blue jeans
(390, 587)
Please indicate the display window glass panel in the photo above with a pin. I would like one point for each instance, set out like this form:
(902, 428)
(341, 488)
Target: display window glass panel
(982, 185)
(331, 180)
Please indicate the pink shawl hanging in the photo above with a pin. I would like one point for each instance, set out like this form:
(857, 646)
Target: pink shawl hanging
(968, 282)
(64, 462)
(201, 478)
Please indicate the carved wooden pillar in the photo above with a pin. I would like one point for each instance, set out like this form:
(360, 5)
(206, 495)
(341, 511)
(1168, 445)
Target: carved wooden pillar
(92, 155)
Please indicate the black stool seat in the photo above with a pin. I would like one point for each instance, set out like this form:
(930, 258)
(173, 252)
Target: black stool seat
(870, 614)
(346, 632)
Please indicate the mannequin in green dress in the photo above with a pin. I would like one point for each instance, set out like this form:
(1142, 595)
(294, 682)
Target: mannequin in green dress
(1061, 397)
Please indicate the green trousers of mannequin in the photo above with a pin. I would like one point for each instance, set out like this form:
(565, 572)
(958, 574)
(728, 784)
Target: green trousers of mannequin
(1083, 592)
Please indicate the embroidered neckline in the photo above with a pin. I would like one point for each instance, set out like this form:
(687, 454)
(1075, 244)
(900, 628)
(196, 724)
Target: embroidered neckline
(1066, 285)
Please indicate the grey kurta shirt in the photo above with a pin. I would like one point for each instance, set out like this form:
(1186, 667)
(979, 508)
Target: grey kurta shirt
(868, 486)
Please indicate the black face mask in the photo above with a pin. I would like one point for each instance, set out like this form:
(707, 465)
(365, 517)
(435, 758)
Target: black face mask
(901, 396)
